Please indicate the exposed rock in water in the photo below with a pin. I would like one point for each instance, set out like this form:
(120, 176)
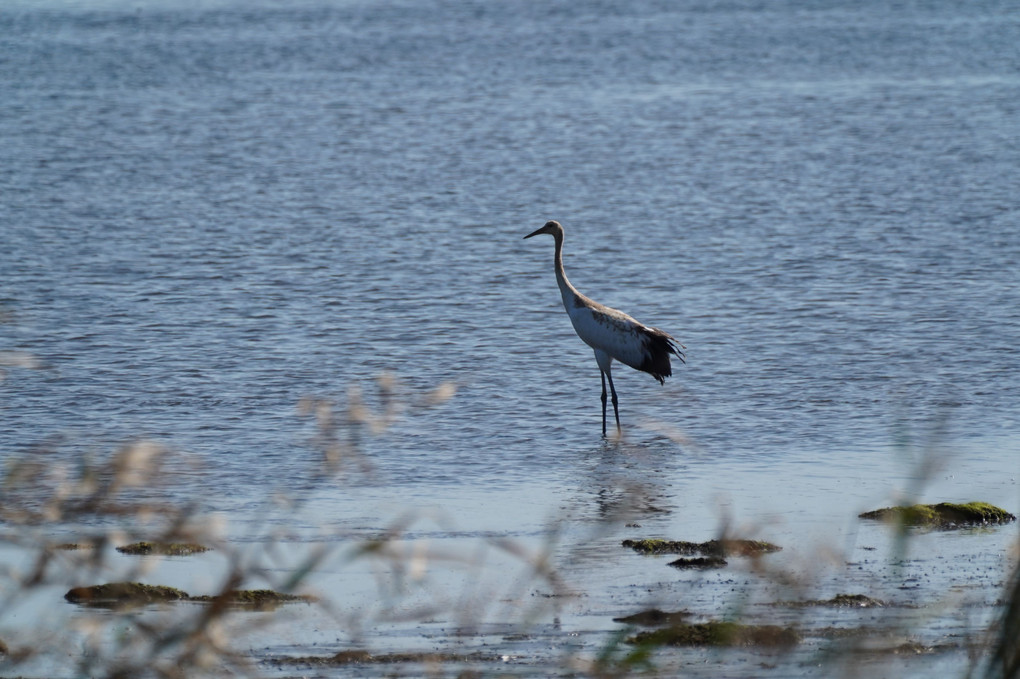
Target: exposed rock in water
(118, 594)
(123, 593)
(165, 548)
(945, 515)
(717, 548)
(254, 598)
(653, 617)
(717, 633)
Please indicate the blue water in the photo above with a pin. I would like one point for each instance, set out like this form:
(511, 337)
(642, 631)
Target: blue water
(209, 211)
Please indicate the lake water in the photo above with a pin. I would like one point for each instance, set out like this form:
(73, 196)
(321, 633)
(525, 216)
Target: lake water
(212, 210)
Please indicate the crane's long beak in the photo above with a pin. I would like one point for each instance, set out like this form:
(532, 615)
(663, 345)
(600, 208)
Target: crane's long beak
(534, 233)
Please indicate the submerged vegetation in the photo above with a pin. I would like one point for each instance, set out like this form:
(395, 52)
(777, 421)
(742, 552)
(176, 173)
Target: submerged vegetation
(361, 657)
(840, 601)
(717, 633)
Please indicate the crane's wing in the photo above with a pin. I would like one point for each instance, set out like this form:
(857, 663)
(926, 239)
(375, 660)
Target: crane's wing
(625, 339)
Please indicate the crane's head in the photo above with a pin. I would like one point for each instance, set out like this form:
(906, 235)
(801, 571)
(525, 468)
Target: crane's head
(551, 227)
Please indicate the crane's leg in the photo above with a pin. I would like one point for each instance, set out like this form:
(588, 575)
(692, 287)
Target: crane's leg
(616, 405)
(604, 403)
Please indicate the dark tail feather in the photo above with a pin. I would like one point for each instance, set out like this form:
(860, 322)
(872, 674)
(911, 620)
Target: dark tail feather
(658, 346)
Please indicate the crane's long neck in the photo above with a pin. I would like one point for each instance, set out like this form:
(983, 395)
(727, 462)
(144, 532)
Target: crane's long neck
(567, 291)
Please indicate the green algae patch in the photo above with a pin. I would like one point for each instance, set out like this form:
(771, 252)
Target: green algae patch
(258, 599)
(653, 617)
(712, 548)
(945, 515)
(163, 548)
(717, 633)
(116, 594)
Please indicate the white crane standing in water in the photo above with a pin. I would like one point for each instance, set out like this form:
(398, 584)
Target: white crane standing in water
(611, 333)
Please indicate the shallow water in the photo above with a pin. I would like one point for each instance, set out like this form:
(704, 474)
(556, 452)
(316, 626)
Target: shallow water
(213, 210)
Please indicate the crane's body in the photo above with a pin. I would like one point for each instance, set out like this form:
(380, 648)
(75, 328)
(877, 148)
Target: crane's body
(612, 334)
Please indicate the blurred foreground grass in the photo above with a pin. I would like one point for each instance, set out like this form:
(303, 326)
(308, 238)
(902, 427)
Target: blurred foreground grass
(127, 498)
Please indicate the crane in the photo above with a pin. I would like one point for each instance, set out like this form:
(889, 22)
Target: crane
(611, 333)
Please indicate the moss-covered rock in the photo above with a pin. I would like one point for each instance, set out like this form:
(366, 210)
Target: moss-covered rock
(717, 633)
(118, 594)
(716, 548)
(165, 548)
(945, 515)
(254, 598)
(123, 593)
(739, 547)
(659, 546)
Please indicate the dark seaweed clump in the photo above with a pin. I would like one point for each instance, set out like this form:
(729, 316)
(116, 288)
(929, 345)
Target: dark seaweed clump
(717, 633)
(698, 562)
(653, 617)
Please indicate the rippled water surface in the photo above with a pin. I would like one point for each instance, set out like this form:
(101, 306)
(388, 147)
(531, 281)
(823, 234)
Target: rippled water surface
(209, 211)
